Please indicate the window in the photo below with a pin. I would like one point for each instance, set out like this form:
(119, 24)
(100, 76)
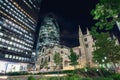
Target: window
(1, 33)
(13, 57)
(66, 63)
(16, 57)
(9, 48)
(2, 55)
(49, 52)
(10, 56)
(42, 60)
(49, 59)
(61, 52)
(80, 52)
(86, 45)
(46, 59)
(6, 55)
(85, 39)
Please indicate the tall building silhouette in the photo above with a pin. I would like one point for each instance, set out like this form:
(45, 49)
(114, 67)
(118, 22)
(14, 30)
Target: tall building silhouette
(18, 21)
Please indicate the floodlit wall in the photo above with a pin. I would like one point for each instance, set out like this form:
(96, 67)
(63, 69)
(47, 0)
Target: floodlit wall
(12, 67)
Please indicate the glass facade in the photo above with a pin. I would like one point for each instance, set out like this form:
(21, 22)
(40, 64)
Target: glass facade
(49, 34)
(17, 29)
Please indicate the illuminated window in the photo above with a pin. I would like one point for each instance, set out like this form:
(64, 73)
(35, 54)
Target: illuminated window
(9, 48)
(10, 56)
(13, 57)
(1, 34)
(16, 57)
(6, 55)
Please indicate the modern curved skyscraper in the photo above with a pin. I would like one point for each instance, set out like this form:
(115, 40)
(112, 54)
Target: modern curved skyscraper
(49, 33)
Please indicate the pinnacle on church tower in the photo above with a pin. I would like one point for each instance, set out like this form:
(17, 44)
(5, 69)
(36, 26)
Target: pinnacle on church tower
(80, 32)
(88, 32)
(81, 37)
(114, 37)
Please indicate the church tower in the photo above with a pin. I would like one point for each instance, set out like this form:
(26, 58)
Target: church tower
(88, 44)
(86, 47)
(83, 58)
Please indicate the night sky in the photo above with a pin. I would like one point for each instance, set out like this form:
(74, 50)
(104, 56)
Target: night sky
(69, 14)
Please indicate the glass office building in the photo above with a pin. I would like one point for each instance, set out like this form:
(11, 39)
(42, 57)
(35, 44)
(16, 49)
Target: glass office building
(49, 34)
(18, 20)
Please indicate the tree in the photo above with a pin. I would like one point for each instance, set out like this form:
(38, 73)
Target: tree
(106, 13)
(73, 58)
(58, 61)
(106, 51)
(44, 64)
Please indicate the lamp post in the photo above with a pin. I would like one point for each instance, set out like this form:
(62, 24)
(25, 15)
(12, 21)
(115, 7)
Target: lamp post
(86, 70)
(105, 57)
(103, 60)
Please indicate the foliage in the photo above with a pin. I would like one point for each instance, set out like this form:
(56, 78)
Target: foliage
(52, 78)
(107, 75)
(106, 50)
(73, 57)
(115, 76)
(86, 79)
(31, 78)
(17, 73)
(102, 78)
(106, 13)
(57, 59)
(94, 72)
(55, 72)
(43, 78)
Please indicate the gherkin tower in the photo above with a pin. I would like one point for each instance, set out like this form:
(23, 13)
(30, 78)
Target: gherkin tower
(49, 34)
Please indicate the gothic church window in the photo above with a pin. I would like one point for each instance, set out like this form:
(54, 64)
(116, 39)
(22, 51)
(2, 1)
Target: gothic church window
(80, 52)
(49, 59)
(86, 45)
(42, 60)
(85, 39)
(61, 52)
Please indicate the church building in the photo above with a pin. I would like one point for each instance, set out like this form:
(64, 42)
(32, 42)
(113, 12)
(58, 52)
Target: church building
(48, 45)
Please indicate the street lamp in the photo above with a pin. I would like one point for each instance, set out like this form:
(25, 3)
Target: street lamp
(103, 60)
(86, 70)
(96, 61)
(97, 69)
(105, 57)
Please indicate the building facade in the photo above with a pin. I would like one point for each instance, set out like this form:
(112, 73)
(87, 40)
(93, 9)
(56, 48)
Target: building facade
(48, 34)
(18, 21)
